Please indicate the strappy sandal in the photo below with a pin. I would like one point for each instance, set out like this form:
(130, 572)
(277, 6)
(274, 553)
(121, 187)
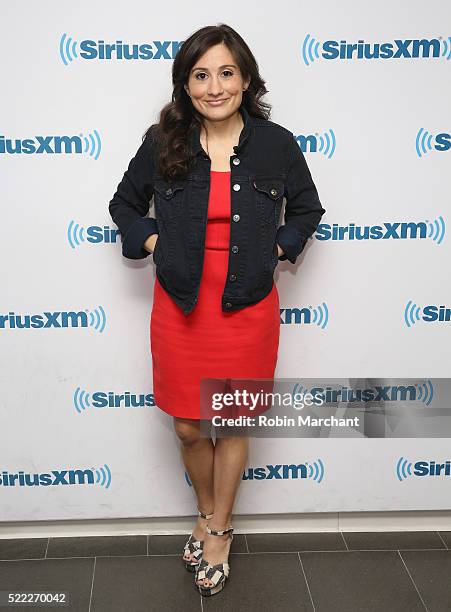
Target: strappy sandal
(194, 547)
(217, 573)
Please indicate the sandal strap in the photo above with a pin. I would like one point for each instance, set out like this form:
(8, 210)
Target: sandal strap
(216, 573)
(203, 515)
(197, 553)
(219, 533)
(193, 544)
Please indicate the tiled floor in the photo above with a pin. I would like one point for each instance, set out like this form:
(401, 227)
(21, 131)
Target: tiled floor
(324, 572)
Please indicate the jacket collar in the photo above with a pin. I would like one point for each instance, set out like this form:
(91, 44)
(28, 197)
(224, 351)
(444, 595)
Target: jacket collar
(247, 130)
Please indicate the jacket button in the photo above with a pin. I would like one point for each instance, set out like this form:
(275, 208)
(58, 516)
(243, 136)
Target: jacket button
(274, 192)
(232, 277)
(236, 217)
(169, 191)
(234, 249)
(228, 305)
(236, 161)
(236, 187)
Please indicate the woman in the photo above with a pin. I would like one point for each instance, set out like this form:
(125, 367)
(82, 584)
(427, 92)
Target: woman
(218, 170)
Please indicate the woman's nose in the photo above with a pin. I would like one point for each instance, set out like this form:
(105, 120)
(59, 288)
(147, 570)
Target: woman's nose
(215, 86)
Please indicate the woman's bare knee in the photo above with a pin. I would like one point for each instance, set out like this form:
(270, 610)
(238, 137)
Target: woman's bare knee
(187, 430)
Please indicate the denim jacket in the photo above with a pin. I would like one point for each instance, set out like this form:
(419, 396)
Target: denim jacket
(267, 167)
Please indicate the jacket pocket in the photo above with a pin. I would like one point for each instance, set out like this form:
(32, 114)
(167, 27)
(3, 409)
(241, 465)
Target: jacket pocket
(169, 198)
(268, 198)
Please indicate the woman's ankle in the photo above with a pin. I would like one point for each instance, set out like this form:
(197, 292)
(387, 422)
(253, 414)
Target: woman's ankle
(201, 510)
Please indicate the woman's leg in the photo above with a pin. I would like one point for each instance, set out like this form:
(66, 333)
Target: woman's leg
(229, 462)
(197, 453)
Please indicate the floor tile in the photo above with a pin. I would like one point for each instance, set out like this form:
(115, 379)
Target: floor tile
(360, 582)
(57, 575)
(393, 540)
(431, 572)
(143, 584)
(24, 548)
(97, 546)
(262, 583)
(446, 536)
(294, 542)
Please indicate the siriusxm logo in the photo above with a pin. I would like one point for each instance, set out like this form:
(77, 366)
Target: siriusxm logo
(53, 145)
(94, 234)
(313, 50)
(82, 318)
(423, 392)
(314, 471)
(405, 468)
(318, 143)
(305, 316)
(87, 49)
(405, 230)
(425, 142)
(82, 400)
(91, 476)
(428, 314)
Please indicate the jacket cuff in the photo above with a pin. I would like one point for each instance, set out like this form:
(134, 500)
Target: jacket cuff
(291, 242)
(137, 234)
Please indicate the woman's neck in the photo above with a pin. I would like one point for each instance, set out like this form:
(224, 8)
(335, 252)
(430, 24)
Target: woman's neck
(225, 130)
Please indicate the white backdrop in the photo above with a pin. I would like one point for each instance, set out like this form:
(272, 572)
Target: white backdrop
(371, 164)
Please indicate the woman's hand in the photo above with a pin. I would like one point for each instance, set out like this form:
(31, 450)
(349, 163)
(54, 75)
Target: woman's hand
(150, 243)
(279, 250)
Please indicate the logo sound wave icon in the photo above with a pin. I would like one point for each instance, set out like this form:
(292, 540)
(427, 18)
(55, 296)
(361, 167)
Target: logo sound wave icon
(81, 400)
(93, 144)
(97, 319)
(327, 143)
(316, 471)
(321, 315)
(447, 48)
(423, 142)
(437, 229)
(411, 313)
(309, 50)
(75, 234)
(68, 49)
(103, 476)
(403, 468)
(425, 392)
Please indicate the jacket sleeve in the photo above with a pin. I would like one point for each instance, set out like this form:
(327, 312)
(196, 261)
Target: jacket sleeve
(303, 210)
(131, 202)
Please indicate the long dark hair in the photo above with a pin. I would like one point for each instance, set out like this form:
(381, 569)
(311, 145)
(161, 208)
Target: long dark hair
(178, 117)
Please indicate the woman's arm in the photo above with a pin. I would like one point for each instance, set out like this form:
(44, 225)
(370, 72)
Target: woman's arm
(303, 210)
(131, 202)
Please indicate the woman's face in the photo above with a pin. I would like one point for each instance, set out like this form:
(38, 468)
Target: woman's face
(215, 77)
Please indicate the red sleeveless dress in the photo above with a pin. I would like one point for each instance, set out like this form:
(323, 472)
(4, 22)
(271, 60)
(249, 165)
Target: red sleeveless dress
(210, 343)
